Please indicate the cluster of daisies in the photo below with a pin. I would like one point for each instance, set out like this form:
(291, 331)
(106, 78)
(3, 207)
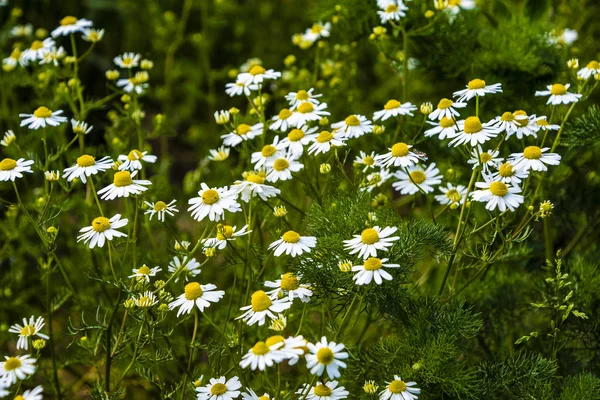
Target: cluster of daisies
(394, 10)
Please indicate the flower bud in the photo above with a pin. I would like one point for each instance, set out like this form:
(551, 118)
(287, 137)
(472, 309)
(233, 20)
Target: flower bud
(146, 64)
(426, 108)
(378, 129)
(325, 168)
(280, 211)
(39, 344)
(429, 13)
(112, 74)
(234, 111)
(210, 252)
(289, 60)
(573, 63)
(52, 176)
(222, 117)
(370, 387)
(345, 265)
(129, 303)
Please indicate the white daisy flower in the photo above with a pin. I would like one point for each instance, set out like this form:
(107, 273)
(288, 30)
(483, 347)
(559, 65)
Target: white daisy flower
(262, 355)
(196, 294)
(372, 269)
(123, 186)
(241, 133)
(317, 31)
(289, 285)
(33, 394)
(370, 240)
(87, 165)
(399, 390)
(38, 50)
(297, 139)
(368, 160)
(11, 169)
(251, 395)
(591, 69)
(399, 156)
(41, 117)
(16, 368)
(15, 58)
(534, 158)
(568, 36)
(291, 243)
(507, 122)
(559, 94)
(257, 74)
(307, 112)
(127, 60)
(213, 202)
(282, 121)
(80, 127)
(4, 386)
(144, 273)
(133, 84)
(28, 329)
(393, 12)
(239, 88)
(254, 185)
(544, 125)
(293, 348)
(446, 109)
(92, 35)
(302, 96)
(452, 194)
(9, 138)
(268, 154)
(353, 126)
(281, 169)
(54, 56)
(487, 159)
(191, 267)
(497, 194)
(526, 125)
(394, 108)
(472, 131)
(19, 31)
(507, 173)
(133, 160)
(145, 300)
(161, 208)
(102, 229)
(377, 179)
(261, 306)
(445, 128)
(326, 356)
(219, 389)
(225, 233)
(323, 142)
(425, 179)
(454, 6)
(220, 154)
(324, 391)
(70, 24)
(477, 87)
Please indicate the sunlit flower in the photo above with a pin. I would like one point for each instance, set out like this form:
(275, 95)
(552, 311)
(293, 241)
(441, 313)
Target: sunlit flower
(262, 355)
(19, 31)
(399, 390)
(127, 60)
(323, 142)
(86, 166)
(417, 179)
(353, 126)
(161, 208)
(368, 160)
(477, 87)
(251, 395)
(70, 24)
(371, 240)
(38, 50)
(196, 294)
(41, 117)
(213, 202)
(225, 233)
(508, 122)
(525, 125)
(446, 109)
(297, 139)
(281, 169)
(12, 169)
(33, 394)
(472, 131)
(282, 121)
(101, 230)
(144, 273)
(372, 269)
(291, 243)
(487, 159)
(219, 389)
(191, 267)
(123, 186)
(393, 11)
(544, 125)
(451, 194)
(455, 6)
(220, 154)
(133, 160)
(591, 69)
(324, 391)
(16, 368)
(399, 156)
(145, 300)
(533, 158)
(239, 87)
(28, 329)
(497, 194)
(9, 138)
(326, 356)
(307, 112)
(377, 179)
(80, 127)
(394, 108)
(137, 83)
(559, 94)
(261, 306)
(53, 56)
(254, 185)
(257, 74)
(302, 96)
(269, 153)
(289, 285)
(318, 31)
(241, 133)
(445, 128)
(93, 35)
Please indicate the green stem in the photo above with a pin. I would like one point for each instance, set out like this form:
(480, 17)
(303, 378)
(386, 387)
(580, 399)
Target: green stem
(189, 366)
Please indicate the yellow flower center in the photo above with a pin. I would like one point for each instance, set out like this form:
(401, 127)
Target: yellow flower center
(498, 189)
(369, 236)
(322, 390)
(42, 112)
(268, 150)
(85, 161)
(372, 264)
(218, 389)
(506, 170)
(454, 3)
(289, 282)
(444, 104)
(224, 232)
(316, 28)
(68, 20)
(273, 340)
(134, 155)
(507, 116)
(122, 178)
(12, 363)
(391, 104)
(472, 125)
(558, 89)
(16, 54)
(28, 330)
(291, 237)
(306, 108)
(100, 224)
(593, 65)
(160, 206)
(476, 84)
(446, 122)
(193, 290)
(144, 270)
(8, 164)
(144, 301)
(256, 178)
(19, 397)
(264, 398)
(397, 386)
(37, 45)
(400, 150)
(485, 157)
(532, 152)
(260, 301)
(325, 356)
(302, 95)
(243, 129)
(453, 195)
(295, 135)
(391, 8)
(369, 160)
(542, 122)
(521, 118)
(281, 164)
(418, 176)
(284, 114)
(257, 70)
(324, 137)
(210, 196)
(127, 61)
(352, 121)
(260, 349)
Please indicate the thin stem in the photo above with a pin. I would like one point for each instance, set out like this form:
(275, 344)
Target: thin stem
(55, 381)
(189, 366)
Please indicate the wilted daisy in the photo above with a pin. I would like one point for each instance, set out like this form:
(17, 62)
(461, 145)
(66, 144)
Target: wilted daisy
(123, 186)
(307, 112)
(9, 138)
(38, 50)
(102, 229)
(225, 233)
(507, 173)
(533, 158)
(394, 108)
(213, 202)
(12, 169)
(417, 179)
(399, 390)
(477, 87)
(559, 94)
(399, 156)
(87, 165)
(241, 133)
(487, 159)
(16, 368)
(261, 306)
(127, 60)
(289, 285)
(370, 240)
(326, 356)
(92, 35)
(291, 243)
(254, 185)
(544, 125)
(144, 273)
(368, 160)
(70, 24)
(133, 160)
(445, 128)
(220, 389)
(251, 395)
(257, 74)
(28, 329)
(281, 169)
(302, 96)
(297, 139)
(282, 120)
(323, 142)
(80, 127)
(161, 208)
(262, 355)
(472, 131)
(354, 126)
(591, 69)
(196, 294)
(191, 267)
(33, 394)
(446, 109)
(324, 391)
(239, 88)
(393, 11)
(41, 117)
(372, 269)
(220, 154)
(497, 194)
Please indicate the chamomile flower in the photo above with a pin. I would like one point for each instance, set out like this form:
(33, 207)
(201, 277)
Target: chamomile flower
(544, 125)
(70, 24)
(293, 348)
(38, 50)
(269, 153)
(317, 31)
(282, 121)
(591, 69)
(507, 173)
(54, 56)
(262, 355)
(455, 6)
(41, 117)
(302, 96)
(326, 356)
(289, 285)
(477, 87)
(446, 109)
(445, 128)
(353, 126)
(242, 133)
(371, 240)
(261, 306)
(16, 368)
(297, 139)
(123, 186)
(80, 127)
(507, 122)
(15, 58)
(399, 390)
(4, 386)
(291, 243)
(28, 329)
(145, 300)
(220, 154)
(417, 179)
(33, 394)
(86, 166)
(324, 391)
(127, 60)
(281, 169)
(239, 88)
(144, 273)
(497, 194)
(399, 156)
(9, 138)
(133, 160)
(368, 160)
(323, 142)
(372, 269)
(377, 179)
(526, 125)
(101, 230)
(472, 131)
(451, 194)
(161, 208)
(559, 94)
(133, 84)
(197, 295)
(307, 112)
(12, 169)
(92, 35)
(393, 11)
(220, 389)
(394, 108)
(213, 202)
(191, 267)
(254, 185)
(487, 159)
(251, 395)
(19, 31)
(533, 158)
(257, 74)
(225, 233)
